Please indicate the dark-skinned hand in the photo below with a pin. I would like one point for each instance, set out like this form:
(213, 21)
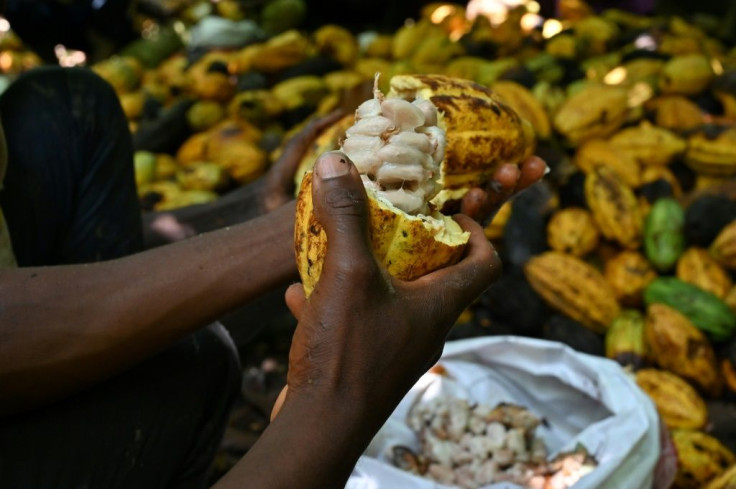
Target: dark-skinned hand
(362, 332)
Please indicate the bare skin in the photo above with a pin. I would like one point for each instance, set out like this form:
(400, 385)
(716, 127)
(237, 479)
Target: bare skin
(345, 381)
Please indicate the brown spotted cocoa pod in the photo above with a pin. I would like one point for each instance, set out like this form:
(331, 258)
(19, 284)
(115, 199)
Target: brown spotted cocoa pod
(628, 273)
(698, 267)
(599, 152)
(614, 206)
(678, 403)
(678, 346)
(723, 248)
(574, 288)
(572, 230)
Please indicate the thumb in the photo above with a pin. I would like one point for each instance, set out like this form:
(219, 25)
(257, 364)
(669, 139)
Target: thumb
(341, 207)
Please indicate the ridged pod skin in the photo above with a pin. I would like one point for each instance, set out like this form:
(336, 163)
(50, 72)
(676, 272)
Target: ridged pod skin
(687, 75)
(701, 458)
(614, 206)
(519, 98)
(664, 238)
(677, 113)
(723, 248)
(404, 244)
(572, 230)
(599, 152)
(696, 266)
(625, 341)
(715, 156)
(678, 346)
(596, 111)
(726, 480)
(494, 229)
(679, 405)
(574, 288)
(482, 132)
(648, 144)
(628, 273)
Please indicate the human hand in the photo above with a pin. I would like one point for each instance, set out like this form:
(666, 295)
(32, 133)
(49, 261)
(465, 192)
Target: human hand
(482, 204)
(363, 336)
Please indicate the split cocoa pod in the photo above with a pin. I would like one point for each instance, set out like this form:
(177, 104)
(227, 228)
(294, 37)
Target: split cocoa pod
(427, 142)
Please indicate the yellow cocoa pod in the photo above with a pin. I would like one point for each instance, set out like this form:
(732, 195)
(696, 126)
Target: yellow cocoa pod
(712, 155)
(678, 346)
(649, 144)
(701, 458)
(522, 101)
(730, 299)
(494, 230)
(687, 74)
(132, 104)
(201, 176)
(726, 480)
(598, 152)
(698, 267)
(679, 405)
(596, 111)
(628, 273)
(572, 230)
(677, 113)
(574, 288)
(614, 206)
(723, 248)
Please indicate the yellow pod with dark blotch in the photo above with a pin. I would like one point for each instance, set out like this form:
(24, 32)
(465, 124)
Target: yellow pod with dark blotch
(701, 458)
(574, 288)
(714, 156)
(596, 111)
(572, 230)
(698, 267)
(625, 340)
(649, 144)
(677, 113)
(679, 405)
(599, 152)
(614, 206)
(628, 273)
(523, 102)
(723, 248)
(678, 346)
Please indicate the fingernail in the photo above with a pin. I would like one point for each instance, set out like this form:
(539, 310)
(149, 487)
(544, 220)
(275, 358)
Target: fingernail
(331, 165)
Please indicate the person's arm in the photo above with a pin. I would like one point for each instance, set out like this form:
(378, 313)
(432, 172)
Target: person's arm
(362, 340)
(66, 327)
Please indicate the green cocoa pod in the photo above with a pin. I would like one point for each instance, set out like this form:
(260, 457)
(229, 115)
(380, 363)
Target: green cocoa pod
(706, 311)
(625, 341)
(664, 238)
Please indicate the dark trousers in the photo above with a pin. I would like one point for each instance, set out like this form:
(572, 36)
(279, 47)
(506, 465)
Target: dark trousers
(69, 197)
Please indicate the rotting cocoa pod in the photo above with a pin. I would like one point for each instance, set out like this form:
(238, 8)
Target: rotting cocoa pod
(525, 233)
(513, 301)
(706, 216)
(573, 334)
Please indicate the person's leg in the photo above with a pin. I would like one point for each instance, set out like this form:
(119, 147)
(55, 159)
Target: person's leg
(156, 426)
(69, 193)
(69, 197)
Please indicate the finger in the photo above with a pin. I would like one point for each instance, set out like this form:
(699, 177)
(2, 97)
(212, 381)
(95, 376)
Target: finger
(279, 402)
(295, 300)
(505, 179)
(474, 203)
(532, 171)
(341, 207)
(465, 281)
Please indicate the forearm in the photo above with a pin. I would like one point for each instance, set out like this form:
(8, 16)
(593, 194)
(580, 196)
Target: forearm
(64, 328)
(310, 444)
